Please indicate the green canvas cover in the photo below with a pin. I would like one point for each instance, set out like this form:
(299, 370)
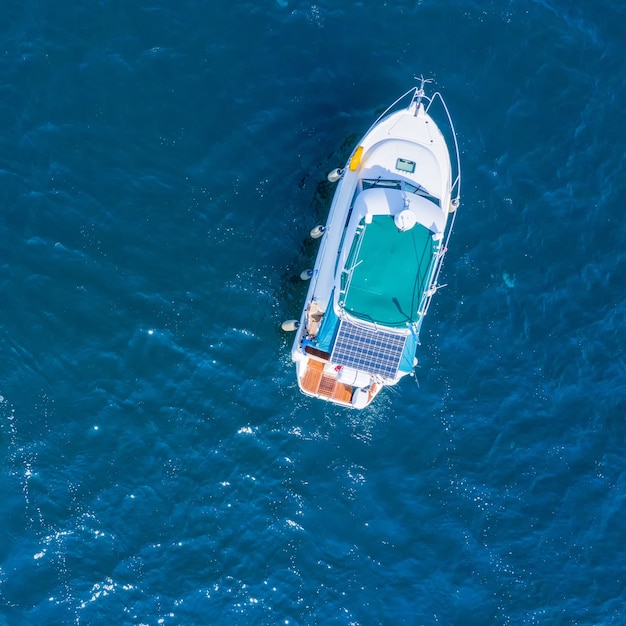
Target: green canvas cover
(391, 270)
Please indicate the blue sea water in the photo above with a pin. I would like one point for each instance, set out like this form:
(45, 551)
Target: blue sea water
(161, 164)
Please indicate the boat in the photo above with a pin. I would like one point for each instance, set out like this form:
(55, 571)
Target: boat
(380, 255)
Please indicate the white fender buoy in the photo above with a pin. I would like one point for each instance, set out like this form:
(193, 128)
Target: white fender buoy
(317, 232)
(453, 205)
(415, 362)
(335, 175)
(290, 325)
(306, 274)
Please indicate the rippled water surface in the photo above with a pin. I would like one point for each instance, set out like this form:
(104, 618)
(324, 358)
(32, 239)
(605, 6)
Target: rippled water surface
(161, 165)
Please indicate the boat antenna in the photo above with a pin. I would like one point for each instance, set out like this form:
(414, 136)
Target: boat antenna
(419, 91)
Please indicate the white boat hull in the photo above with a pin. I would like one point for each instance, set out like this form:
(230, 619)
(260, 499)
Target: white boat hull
(379, 258)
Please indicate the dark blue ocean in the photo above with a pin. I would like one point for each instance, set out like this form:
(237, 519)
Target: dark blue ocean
(161, 165)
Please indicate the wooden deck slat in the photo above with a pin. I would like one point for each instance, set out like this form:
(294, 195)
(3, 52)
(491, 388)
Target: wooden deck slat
(316, 382)
(327, 386)
(312, 376)
(343, 392)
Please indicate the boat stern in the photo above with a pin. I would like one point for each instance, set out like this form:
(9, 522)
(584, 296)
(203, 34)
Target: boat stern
(319, 378)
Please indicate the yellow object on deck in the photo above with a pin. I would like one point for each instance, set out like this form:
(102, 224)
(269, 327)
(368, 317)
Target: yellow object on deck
(355, 161)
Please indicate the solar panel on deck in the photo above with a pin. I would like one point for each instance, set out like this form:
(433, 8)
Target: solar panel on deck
(374, 352)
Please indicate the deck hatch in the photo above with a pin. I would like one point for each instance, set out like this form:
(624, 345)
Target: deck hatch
(376, 352)
(404, 165)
